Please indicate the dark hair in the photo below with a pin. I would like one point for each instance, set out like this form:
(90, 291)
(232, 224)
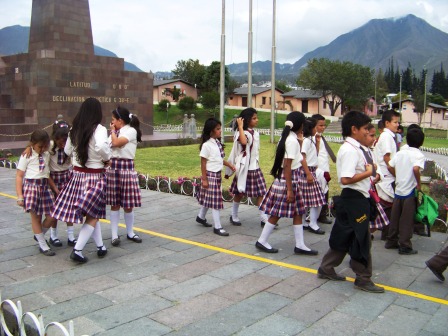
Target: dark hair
(60, 124)
(353, 118)
(380, 124)
(370, 126)
(297, 119)
(247, 115)
(84, 124)
(318, 117)
(308, 127)
(413, 126)
(415, 137)
(209, 126)
(60, 133)
(129, 119)
(39, 136)
(400, 128)
(388, 115)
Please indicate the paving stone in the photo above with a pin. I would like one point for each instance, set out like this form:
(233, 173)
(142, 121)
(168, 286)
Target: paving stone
(187, 256)
(191, 270)
(141, 326)
(12, 265)
(296, 286)
(438, 324)
(356, 305)
(237, 269)
(422, 306)
(141, 270)
(336, 323)
(273, 325)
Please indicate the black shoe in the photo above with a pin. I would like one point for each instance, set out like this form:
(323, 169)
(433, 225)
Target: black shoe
(322, 275)
(305, 252)
(325, 220)
(135, 238)
(263, 248)
(203, 221)
(55, 242)
(48, 253)
(319, 231)
(407, 251)
(116, 241)
(221, 232)
(77, 257)
(71, 242)
(437, 273)
(236, 223)
(100, 252)
(369, 287)
(391, 246)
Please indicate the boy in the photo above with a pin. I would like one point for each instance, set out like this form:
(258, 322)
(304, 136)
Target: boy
(323, 166)
(406, 166)
(384, 151)
(350, 233)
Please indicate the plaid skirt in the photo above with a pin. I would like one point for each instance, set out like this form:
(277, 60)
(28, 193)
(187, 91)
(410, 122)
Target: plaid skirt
(122, 186)
(274, 202)
(37, 196)
(212, 196)
(61, 178)
(381, 219)
(83, 195)
(255, 184)
(311, 192)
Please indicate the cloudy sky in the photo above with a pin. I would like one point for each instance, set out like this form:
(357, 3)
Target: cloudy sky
(155, 34)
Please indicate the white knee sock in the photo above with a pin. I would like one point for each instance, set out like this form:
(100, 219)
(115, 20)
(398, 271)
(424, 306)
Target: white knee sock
(114, 219)
(202, 212)
(235, 207)
(298, 234)
(54, 233)
(97, 235)
(41, 240)
(216, 218)
(70, 232)
(263, 217)
(129, 220)
(314, 214)
(83, 237)
(267, 230)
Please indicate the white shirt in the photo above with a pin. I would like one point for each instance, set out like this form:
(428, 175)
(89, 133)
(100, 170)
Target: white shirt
(292, 151)
(385, 145)
(127, 151)
(31, 165)
(323, 159)
(54, 165)
(404, 162)
(350, 161)
(310, 150)
(99, 149)
(255, 152)
(211, 152)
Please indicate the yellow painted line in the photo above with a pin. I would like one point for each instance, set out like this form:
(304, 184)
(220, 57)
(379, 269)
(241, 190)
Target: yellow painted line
(268, 261)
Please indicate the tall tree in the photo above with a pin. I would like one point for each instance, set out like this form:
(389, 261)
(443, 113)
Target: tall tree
(341, 83)
(213, 75)
(190, 71)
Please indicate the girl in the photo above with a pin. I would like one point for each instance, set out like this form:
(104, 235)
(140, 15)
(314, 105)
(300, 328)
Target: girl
(33, 185)
(250, 180)
(212, 161)
(122, 189)
(313, 197)
(83, 196)
(283, 197)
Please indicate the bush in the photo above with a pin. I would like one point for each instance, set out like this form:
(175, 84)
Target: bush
(187, 104)
(210, 100)
(162, 104)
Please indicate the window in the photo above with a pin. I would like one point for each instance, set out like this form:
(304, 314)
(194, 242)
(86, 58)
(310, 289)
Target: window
(324, 104)
(445, 115)
(263, 100)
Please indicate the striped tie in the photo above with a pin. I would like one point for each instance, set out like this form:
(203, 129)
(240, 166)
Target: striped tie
(221, 150)
(41, 163)
(61, 156)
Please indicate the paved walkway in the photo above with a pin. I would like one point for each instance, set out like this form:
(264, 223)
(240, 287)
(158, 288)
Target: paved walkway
(185, 280)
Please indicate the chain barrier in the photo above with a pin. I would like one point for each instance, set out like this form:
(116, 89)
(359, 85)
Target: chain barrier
(24, 134)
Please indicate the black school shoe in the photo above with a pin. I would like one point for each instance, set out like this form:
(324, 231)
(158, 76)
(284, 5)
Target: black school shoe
(55, 242)
(135, 238)
(407, 251)
(437, 273)
(236, 223)
(305, 252)
(100, 252)
(71, 242)
(369, 287)
(263, 248)
(203, 221)
(319, 231)
(77, 257)
(48, 253)
(221, 232)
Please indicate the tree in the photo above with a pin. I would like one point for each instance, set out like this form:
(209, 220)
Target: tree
(190, 71)
(341, 83)
(187, 104)
(210, 100)
(282, 85)
(213, 76)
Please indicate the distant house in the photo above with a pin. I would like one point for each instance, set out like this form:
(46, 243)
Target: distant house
(261, 97)
(307, 101)
(163, 89)
(371, 107)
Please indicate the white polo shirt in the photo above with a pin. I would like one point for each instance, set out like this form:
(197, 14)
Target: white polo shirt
(54, 165)
(255, 152)
(31, 165)
(292, 151)
(310, 150)
(211, 152)
(127, 151)
(323, 159)
(386, 144)
(404, 162)
(350, 161)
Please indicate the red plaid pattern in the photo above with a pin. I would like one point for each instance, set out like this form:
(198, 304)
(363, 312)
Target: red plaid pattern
(212, 197)
(274, 202)
(37, 196)
(83, 195)
(311, 192)
(122, 186)
(381, 219)
(255, 184)
(61, 178)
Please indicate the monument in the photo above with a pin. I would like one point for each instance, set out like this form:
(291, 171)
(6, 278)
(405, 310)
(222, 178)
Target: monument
(61, 70)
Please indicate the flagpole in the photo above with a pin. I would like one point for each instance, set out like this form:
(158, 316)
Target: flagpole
(273, 74)
(222, 68)
(249, 62)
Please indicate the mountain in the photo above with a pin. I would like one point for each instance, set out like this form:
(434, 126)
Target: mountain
(14, 40)
(407, 39)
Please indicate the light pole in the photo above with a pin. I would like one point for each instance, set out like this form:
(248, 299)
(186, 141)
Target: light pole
(424, 105)
(401, 77)
(167, 106)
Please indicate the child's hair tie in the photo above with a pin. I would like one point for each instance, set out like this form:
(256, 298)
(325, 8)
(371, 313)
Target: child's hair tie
(289, 123)
(130, 115)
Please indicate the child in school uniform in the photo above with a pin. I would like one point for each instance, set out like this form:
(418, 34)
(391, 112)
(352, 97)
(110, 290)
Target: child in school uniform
(209, 194)
(313, 197)
(350, 232)
(84, 194)
(283, 198)
(33, 185)
(406, 166)
(122, 188)
(250, 180)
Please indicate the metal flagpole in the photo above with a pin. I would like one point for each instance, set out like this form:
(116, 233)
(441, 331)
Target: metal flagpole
(273, 74)
(223, 65)
(249, 61)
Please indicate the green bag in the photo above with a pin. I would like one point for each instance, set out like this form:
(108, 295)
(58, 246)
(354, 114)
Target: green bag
(427, 209)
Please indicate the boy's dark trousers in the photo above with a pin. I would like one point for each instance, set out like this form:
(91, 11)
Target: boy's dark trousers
(440, 261)
(350, 234)
(401, 224)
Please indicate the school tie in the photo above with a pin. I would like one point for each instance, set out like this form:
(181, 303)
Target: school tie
(41, 162)
(369, 159)
(329, 150)
(61, 156)
(221, 150)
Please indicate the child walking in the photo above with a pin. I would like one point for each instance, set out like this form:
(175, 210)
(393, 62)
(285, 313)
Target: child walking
(33, 185)
(250, 180)
(212, 161)
(84, 195)
(313, 197)
(122, 189)
(283, 198)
